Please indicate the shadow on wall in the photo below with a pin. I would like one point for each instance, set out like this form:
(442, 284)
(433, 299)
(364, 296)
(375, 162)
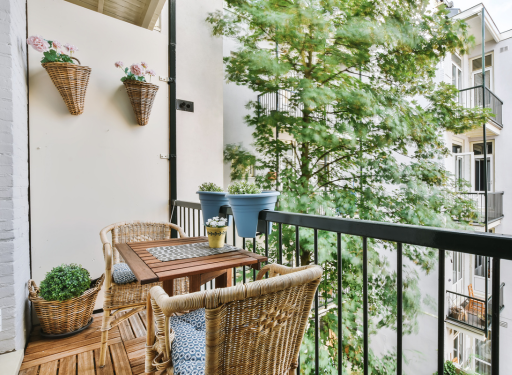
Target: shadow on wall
(121, 102)
(49, 95)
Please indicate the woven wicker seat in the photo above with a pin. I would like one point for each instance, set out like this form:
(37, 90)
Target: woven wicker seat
(124, 300)
(255, 328)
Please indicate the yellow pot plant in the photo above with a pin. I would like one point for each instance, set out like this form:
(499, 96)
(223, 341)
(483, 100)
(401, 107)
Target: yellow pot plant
(217, 229)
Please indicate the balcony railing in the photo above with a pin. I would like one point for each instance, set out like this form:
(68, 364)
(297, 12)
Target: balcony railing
(494, 205)
(473, 97)
(188, 216)
(471, 311)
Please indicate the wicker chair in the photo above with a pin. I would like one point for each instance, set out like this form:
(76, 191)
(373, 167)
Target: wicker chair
(255, 328)
(125, 300)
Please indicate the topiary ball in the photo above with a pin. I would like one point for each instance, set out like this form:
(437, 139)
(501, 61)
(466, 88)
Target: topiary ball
(65, 282)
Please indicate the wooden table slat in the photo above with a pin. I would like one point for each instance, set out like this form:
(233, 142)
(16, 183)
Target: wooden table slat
(141, 270)
(181, 272)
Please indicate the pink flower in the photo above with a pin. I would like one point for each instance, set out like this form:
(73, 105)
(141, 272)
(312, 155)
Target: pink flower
(145, 65)
(70, 48)
(151, 72)
(38, 43)
(119, 64)
(57, 44)
(137, 69)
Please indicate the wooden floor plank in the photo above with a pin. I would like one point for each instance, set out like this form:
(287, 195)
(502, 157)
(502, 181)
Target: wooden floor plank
(49, 368)
(68, 365)
(85, 364)
(58, 349)
(137, 326)
(29, 371)
(120, 359)
(126, 330)
(108, 369)
(66, 353)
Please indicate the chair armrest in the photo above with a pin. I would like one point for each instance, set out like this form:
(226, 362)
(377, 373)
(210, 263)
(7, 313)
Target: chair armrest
(277, 269)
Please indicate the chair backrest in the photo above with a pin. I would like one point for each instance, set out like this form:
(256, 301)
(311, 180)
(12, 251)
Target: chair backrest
(261, 333)
(255, 328)
(470, 290)
(138, 231)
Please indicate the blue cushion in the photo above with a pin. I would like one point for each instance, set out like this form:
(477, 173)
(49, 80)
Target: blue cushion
(122, 274)
(188, 347)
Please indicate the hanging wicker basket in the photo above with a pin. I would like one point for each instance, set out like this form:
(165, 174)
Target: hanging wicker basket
(64, 318)
(142, 95)
(71, 80)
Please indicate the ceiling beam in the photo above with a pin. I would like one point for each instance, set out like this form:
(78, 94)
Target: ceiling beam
(152, 7)
(101, 3)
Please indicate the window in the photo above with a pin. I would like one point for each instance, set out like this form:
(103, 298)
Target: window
(456, 76)
(458, 348)
(457, 267)
(483, 357)
(456, 149)
(478, 150)
(476, 64)
(480, 266)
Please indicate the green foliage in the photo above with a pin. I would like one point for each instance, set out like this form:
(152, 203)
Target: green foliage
(209, 186)
(65, 282)
(366, 118)
(450, 369)
(243, 187)
(241, 160)
(132, 77)
(53, 56)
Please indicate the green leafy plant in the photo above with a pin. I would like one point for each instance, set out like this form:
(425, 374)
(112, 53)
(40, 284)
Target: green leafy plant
(210, 186)
(450, 369)
(242, 187)
(65, 282)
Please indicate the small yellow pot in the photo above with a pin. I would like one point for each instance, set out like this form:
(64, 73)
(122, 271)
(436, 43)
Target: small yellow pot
(216, 236)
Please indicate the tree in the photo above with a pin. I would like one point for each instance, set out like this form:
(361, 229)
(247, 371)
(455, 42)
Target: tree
(364, 126)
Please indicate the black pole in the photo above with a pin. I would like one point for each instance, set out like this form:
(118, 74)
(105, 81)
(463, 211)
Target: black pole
(277, 125)
(440, 314)
(485, 172)
(399, 309)
(173, 195)
(496, 297)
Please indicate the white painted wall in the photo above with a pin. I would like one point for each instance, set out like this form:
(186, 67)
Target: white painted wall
(14, 207)
(98, 168)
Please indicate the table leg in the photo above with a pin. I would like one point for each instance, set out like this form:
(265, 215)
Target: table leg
(225, 280)
(194, 283)
(168, 286)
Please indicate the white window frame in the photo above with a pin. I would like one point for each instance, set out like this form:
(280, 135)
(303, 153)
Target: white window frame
(490, 157)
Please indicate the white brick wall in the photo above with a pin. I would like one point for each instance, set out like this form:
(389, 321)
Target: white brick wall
(14, 224)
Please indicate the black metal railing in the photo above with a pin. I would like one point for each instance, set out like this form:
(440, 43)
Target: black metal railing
(486, 244)
(473, 97)
(467, 310)
(494, 205)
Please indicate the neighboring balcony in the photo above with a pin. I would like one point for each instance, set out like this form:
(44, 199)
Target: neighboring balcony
(473, 97)
(494, 206)
(471, 311)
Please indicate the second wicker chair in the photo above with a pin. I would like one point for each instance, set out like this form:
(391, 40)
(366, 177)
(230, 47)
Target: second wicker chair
(249, 329)
(124, 300)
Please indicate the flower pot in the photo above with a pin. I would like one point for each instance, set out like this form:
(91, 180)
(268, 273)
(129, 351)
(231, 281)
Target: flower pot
(246, 209)
(216, 236)
(142, 95)
(211, 202)
(71, 80)
(64, 318)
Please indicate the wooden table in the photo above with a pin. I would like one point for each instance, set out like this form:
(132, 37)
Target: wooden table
(148, 269)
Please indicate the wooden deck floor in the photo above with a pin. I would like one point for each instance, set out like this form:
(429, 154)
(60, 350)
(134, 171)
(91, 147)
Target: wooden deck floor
(78, 355)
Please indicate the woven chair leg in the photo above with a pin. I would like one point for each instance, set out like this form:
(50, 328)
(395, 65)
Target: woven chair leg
(292, 372)
(105, 326)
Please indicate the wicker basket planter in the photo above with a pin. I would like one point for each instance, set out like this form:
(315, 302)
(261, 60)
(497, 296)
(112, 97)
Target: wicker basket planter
(71, 80)
(142, 96)
(65, 318)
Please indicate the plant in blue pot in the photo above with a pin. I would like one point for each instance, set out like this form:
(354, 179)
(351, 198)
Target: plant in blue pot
(246, 201)
(212, 197)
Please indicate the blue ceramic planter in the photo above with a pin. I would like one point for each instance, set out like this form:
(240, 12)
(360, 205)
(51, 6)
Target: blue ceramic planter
(246, 208)
(211, 201)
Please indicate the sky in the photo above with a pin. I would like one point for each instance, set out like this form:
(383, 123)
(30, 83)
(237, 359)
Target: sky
(500, 10)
